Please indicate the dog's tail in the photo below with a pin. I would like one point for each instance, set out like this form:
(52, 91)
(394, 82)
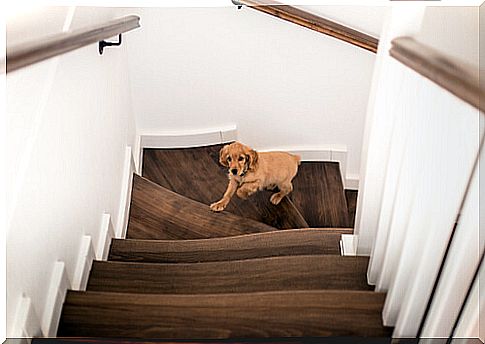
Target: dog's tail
(297, 158)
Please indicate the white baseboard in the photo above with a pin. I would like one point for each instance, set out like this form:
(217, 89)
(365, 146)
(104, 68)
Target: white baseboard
(352, 181)
(106, 233)
(188, 138)
(55, 298)
(182, 139)
(137, 154)
(124, 207)
(84, 263)
(348, 245)
(26, 322)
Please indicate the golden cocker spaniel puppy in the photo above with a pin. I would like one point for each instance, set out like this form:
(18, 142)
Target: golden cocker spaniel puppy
(250, 171)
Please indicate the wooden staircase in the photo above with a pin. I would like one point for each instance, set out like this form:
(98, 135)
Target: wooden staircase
(187, 273)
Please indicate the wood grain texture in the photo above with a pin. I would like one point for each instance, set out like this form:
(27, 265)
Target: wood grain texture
(458, 77)
(314, 22)
(158, 213)
(317, 200)
(319, 195)
(237, 276)
(39, 50)
(268, 314)
(292, 242)
(351, 197)
(195, 173)
(271, 340)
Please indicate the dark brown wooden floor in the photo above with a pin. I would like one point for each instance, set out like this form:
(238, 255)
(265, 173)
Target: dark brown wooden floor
(318, 194)
(291, 242)
(351, 197)
(196, 173)
(237, 276)
(158, 213)
(266, 314)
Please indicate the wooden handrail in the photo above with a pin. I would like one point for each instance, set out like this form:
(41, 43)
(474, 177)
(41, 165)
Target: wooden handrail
(458, 77)
(313, 22)
(32, 52)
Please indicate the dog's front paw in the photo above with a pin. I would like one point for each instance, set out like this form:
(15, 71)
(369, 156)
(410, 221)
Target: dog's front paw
(218, 206)
(276, 198)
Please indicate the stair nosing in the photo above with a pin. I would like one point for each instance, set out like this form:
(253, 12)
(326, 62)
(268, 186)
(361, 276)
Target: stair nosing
(245, 261)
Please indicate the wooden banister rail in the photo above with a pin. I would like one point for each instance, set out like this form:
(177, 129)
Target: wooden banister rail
(33, 52)
(459, 78)
(313, 22)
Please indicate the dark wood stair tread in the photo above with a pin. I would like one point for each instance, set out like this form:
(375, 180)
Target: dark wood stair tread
(269, 314)
(158, 213)
(267, 340)
(237, 276)
(259, 245)
(319, 195)
(351, 197)
(196, 173)
(186, 272)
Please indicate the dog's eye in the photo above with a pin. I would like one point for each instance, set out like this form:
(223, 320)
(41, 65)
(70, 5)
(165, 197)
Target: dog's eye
(229, 159)
(241, 158)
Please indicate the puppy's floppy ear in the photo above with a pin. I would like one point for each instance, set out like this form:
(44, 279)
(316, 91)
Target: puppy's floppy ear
(252, 157)
(223, 156)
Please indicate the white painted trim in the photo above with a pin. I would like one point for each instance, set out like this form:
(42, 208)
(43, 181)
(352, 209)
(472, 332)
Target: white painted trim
(349, 245)
(315, 153)
(26, 323)
(138, 154)
(84, 263)
(352, 181)
(106, 233)
(127, 179)
(188, 138)
(55, 298)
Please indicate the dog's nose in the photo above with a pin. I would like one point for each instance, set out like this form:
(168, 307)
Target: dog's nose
(234, 171)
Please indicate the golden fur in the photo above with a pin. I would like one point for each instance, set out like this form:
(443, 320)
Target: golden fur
(250, 171)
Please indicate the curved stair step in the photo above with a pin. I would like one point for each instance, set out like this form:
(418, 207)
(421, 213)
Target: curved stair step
(259, 245)
(262, 274)
(270, 314)
(196, 174)
(158, 213)
(319, 194)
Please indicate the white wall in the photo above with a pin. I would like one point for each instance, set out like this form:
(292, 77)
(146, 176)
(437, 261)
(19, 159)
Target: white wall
(69, 121)
(453, 30)
(284, 86)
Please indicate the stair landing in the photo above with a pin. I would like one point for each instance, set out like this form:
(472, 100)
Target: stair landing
(318, 198)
